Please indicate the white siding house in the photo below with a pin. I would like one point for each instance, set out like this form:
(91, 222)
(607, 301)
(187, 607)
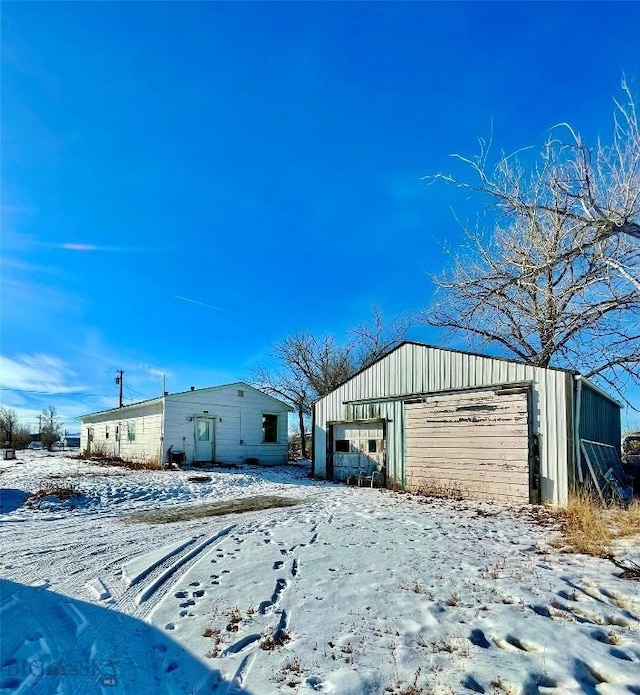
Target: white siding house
(482, 426)
(224, 424)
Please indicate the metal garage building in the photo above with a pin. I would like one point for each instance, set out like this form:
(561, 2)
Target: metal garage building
(485, 427)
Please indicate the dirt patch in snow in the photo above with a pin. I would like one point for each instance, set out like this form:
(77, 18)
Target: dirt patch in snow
(201, 511)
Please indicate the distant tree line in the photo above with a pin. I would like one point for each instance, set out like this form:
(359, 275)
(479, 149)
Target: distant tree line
(18, 436)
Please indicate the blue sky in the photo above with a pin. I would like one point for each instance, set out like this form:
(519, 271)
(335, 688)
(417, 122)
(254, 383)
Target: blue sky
(186, 183)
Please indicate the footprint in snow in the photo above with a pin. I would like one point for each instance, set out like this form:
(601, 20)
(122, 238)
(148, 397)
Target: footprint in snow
(620, 621)
(589, 674)
(619, 654)
(601, 636)
(568, 595)
(541, 680)
(478, 638)
(470, 683)
(521, 644)
(315, 683)
(542, 610)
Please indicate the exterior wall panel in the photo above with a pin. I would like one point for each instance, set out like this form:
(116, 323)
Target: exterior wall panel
(145, 419)
(170, 422)
(599, 418)
(237, 422)
(474, 442)
(413, 368)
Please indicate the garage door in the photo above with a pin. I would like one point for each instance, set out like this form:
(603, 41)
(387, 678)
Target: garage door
(472, 443)
(357, 447)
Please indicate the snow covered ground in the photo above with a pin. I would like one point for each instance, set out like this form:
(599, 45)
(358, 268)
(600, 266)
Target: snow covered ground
(351, 591)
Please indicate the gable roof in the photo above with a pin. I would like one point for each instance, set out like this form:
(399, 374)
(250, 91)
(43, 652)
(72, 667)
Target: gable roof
(474, 354)
(152, 401)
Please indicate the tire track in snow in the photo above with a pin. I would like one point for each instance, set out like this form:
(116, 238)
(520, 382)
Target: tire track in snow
(164, 577)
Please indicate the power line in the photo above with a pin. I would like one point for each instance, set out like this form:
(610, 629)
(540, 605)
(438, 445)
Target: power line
(55, 393)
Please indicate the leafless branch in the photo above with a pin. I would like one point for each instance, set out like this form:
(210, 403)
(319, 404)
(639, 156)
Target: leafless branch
(557, 281)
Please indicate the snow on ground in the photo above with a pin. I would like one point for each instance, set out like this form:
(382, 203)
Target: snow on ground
(352, 591)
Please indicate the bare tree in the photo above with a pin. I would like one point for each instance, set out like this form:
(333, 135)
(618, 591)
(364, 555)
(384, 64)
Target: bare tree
(21, 437)
(8, 425)
(557, 282)
(308, 366)
(51, 427)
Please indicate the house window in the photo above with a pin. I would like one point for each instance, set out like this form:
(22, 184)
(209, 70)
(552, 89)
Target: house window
(342, 446)
(106, 432)
(131, 431)
(373, 446)
(90, 434)
(269, 428)
(240, 393)
(117, 433)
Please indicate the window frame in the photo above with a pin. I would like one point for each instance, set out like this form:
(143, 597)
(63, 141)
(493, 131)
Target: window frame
(274, 428)
(339, 446)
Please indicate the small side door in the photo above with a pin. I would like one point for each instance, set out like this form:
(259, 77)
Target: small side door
(205, 439)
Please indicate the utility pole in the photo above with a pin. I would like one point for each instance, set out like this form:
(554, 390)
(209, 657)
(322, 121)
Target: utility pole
(39, 424)
(119, 380)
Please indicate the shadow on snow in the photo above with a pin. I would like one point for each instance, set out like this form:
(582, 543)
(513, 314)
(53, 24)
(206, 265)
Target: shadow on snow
(52, 643)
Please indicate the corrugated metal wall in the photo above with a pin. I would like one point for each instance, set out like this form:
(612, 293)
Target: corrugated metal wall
(416, 368)
(599, 417)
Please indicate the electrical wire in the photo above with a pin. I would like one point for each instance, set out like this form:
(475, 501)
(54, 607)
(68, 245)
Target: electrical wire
(56, 393)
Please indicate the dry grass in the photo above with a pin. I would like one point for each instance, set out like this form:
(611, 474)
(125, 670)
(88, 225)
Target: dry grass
(279, 639)
(62, 492)
(101, 455)
(218, 641)
(291, 673)
(235, 619)
(434, 488)
(589, 527)
(453, 600)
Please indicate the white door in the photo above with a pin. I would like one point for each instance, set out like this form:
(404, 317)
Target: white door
(475, 444)
(357, 446)
(205, 438)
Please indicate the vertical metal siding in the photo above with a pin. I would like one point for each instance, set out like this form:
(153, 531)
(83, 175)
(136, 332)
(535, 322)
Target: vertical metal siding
(414, 368)
(599, 418)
